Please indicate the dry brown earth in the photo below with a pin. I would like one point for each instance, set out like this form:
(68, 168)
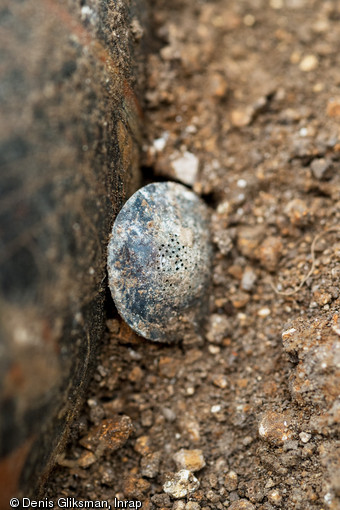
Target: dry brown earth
(243, 105)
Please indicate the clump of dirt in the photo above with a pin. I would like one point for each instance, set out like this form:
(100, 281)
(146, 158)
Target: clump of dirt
(242, 105)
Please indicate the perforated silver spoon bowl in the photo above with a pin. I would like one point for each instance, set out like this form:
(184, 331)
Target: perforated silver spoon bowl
(159, 261)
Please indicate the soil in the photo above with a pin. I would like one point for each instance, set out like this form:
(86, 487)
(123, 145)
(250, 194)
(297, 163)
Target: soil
(243, 106)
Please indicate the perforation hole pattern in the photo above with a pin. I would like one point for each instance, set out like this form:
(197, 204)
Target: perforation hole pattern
(174, 259)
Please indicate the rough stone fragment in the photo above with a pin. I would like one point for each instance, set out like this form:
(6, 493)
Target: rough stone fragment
(192, 460)
(248, 279)
(186, 168)
(231, 481)
(240, 299)
(87, 459)
(111, 434)
(181, 484)
(135, 487)
(220, 381)
(150, 464)
(242, 504)
(192, 505)
(248, 239)
(275, 497)
(142, 445)
(305, 437)
(159, 261)
(190, 427)
(218, 328)
(270, 251)
(314, 381)
(223, 241)
(161, 500)
(274, 427)
(333, 107)
(322, 297)
(178, 505)
(321, 168)
(297, 212)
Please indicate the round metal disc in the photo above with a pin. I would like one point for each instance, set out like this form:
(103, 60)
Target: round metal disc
(159, 260)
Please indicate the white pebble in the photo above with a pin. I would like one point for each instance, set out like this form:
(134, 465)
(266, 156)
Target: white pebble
(309, 63)
(242, 183)
(181, 484)
(264, 312)
(159, 143)
(186, 168)
(215, 409)
(305, 437)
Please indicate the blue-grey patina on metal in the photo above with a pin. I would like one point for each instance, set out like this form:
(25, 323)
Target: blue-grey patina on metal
(159, 261)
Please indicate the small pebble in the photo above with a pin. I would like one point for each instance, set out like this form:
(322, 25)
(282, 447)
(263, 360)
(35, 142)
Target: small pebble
(269, 252)
(220, 381)
(269, 484)
(192, 460)
(242, 183)
(320, 168)
(147, 418)
(241, 118)
(218, 86)
(181, 484)
(161, 500)
(160, 143)
(249, 20)
(169, 414)
(247, 440)
(274, 427)
(223, 241)
(241, 504)
(240, 299)
(190, 426)
(136, 374)
(178, 505)
(86, 460)
(150, 465)
(218, 327)
(322, 297)
(231, 481)
(305, 437)
(263, 312)
(107, 474)
(248, 279)
(134, 487)
(186, 168)
(309, 63)
(111, 434)
(215, 409)
(276, 4)
(142, 445)
(192, 505)
(212, 496)
(333, 107)
(249, 239)
(297, 212)
(275, 497)
(214, 349)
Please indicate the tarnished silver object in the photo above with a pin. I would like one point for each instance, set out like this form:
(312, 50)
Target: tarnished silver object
(159, 261)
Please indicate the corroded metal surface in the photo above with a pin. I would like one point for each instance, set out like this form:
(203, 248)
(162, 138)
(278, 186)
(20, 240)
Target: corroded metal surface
(159, 260)
(69, 140)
